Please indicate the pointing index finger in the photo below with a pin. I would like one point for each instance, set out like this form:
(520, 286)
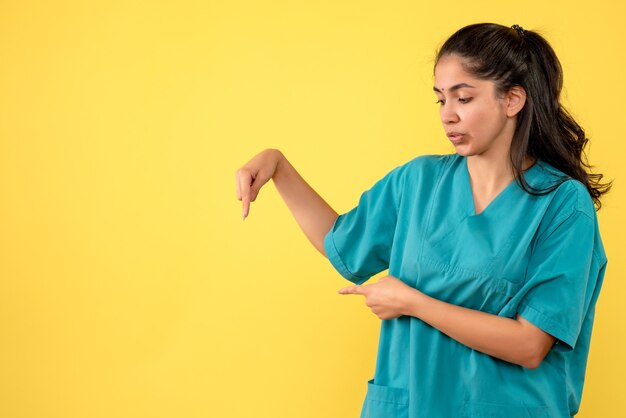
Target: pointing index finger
(352, 290)
(244, 185)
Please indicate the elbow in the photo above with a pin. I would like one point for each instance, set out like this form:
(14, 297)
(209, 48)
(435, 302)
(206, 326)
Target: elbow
(532, 363)
(534, 343)
(534, 357)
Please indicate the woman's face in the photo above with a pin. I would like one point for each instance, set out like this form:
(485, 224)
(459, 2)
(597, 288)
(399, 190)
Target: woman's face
(473, 116)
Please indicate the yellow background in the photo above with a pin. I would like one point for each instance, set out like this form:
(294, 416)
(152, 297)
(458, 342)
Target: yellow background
(129, 284)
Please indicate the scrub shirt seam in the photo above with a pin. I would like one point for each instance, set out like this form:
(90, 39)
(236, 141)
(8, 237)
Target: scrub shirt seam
(551, 322)
(389, 402)
(601, 261)
(561, 219)
(400, 193)
(501, 284)
(432, 203)
(335, 258)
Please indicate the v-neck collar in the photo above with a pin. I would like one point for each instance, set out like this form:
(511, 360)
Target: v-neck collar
(493, 204)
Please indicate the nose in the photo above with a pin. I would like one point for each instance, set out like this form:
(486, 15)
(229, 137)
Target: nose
(448, 114)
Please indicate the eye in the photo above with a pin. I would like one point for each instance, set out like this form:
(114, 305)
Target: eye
(440, 101)
(465, 100)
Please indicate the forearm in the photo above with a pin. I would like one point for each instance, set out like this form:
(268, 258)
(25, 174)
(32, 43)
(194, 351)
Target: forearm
(314, 216)
(494, 335)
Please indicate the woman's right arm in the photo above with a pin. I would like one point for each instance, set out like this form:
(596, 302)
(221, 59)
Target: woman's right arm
(314, 216)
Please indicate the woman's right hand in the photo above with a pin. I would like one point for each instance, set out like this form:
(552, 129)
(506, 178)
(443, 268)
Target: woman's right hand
(314, 216)
(254, 174)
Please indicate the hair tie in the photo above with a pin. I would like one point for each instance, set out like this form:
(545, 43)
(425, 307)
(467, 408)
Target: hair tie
(520, 30)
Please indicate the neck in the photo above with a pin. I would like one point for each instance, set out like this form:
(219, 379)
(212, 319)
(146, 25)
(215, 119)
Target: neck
(492, 174)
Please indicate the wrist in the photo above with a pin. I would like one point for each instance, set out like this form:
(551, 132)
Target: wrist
(413, 303)
(277, 159)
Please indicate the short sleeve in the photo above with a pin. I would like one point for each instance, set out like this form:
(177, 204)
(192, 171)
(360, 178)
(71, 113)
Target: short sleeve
(359, 243)
(564, 277)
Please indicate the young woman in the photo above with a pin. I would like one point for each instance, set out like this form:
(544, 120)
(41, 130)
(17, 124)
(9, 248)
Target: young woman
(494, 254)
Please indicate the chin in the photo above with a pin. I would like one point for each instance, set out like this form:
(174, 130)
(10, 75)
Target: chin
(464, 151)
(467, 150)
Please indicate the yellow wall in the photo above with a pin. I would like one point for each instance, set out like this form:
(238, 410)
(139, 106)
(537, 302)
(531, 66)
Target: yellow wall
(129, 285)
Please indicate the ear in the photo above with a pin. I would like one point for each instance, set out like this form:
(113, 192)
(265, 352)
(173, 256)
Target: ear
(515, 100)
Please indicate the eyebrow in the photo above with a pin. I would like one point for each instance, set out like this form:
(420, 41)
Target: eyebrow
(455, 87)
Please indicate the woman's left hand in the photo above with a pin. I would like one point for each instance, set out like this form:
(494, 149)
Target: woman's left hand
(388, 298)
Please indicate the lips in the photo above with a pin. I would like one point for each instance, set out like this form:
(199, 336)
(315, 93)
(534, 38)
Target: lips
(455, 136)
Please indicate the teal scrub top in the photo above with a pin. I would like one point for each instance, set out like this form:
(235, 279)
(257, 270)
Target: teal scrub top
(537, 256)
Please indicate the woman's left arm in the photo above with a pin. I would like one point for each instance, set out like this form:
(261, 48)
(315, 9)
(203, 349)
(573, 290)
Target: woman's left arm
(514, 340)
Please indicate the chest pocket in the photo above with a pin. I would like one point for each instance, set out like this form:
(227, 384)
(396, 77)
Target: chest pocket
(465, 266)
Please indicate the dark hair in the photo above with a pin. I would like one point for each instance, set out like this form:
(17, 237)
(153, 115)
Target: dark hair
(545, 130)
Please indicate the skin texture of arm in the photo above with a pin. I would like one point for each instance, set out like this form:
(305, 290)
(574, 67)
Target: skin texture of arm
(314, 216)
(513, 340)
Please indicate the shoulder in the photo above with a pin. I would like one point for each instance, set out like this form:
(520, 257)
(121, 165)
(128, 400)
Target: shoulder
(570, 206)
(568, 197)
(574, 198)
(423, 169)
(420, 166)
(431, 161)
(427, 165)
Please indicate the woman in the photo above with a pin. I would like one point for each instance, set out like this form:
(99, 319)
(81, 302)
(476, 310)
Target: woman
(494, 254)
